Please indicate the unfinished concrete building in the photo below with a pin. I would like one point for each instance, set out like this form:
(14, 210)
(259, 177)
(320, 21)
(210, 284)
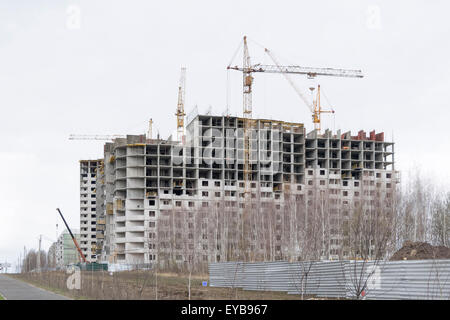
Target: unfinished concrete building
(142, 180)
(88, 208)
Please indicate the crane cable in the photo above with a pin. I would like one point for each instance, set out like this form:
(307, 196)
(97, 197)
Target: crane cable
(228, 88)
(236, 52)
(332, 109)
(328, 101)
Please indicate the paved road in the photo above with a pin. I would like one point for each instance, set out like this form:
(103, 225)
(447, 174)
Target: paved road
(13, 289)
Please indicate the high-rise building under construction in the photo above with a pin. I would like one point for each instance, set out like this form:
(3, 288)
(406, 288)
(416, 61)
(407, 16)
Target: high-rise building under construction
(168, 200)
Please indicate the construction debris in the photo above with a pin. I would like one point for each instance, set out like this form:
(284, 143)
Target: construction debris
(421, 250)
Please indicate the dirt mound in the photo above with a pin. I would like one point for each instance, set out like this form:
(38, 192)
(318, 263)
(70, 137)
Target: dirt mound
(420, 251)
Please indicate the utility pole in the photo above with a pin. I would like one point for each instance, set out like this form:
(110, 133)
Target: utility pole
(24, 258)
(39, 255)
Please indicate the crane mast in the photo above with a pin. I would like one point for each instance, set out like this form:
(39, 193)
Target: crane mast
(247, 113)
(150, 129)
(180, 106)
(247, 82)
(318, 111)
(247, 79)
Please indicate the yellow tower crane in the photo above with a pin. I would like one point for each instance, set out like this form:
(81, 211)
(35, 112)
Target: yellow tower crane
(180, 106)
(315, 106)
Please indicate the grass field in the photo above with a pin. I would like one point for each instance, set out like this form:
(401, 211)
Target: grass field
(143, 285)
(1, 297)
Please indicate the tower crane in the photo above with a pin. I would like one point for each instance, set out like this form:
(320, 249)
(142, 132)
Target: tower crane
(95, 136)
(180, 106)
(109, 137)
(310, 72)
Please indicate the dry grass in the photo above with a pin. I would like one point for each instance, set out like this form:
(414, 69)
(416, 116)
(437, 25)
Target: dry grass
(141, 285)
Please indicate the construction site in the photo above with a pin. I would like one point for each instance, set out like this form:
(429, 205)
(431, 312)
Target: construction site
(224, 151)
(228, 188)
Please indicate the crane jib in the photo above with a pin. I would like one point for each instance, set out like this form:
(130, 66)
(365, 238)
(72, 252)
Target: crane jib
(303, 70)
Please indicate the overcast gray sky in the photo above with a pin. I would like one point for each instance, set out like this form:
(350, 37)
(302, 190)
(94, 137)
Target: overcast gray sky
(118, 65)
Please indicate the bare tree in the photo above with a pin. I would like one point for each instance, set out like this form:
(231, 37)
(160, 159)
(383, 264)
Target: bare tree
(371, 236)
(441, 221)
